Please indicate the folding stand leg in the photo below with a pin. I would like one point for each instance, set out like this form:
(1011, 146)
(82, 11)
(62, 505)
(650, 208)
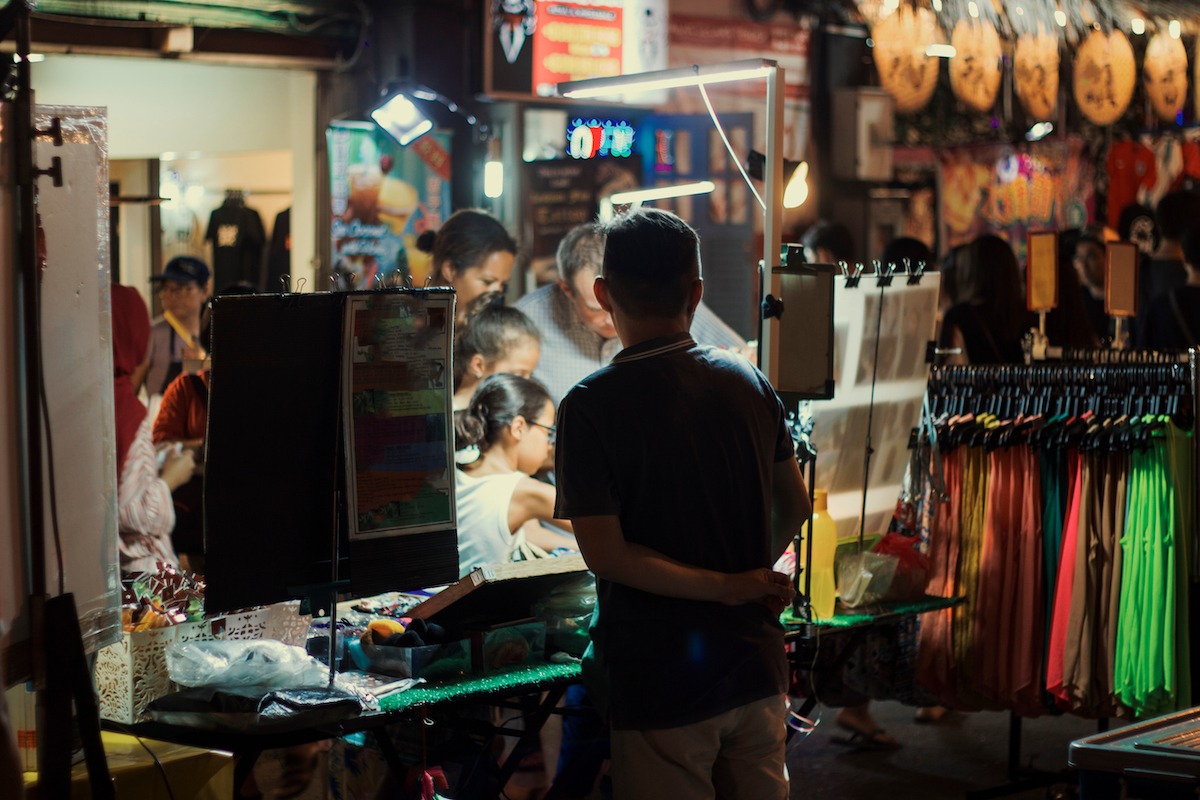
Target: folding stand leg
(533, 728)
(67, 679)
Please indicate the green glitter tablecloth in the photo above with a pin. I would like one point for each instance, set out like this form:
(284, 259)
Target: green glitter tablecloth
(875, 614)
(527, 679)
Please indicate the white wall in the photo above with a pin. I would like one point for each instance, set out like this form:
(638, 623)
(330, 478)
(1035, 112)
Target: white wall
(158, 106)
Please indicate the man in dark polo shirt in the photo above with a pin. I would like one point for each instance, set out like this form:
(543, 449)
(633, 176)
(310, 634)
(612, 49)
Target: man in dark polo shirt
(677, 471)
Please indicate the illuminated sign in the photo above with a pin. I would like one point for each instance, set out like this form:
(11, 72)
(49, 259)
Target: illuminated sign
(595, 138)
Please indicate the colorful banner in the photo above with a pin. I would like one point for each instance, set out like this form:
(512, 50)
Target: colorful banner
(383, 196)
(1010, 190)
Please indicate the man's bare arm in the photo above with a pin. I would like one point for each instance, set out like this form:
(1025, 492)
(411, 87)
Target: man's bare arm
(790, 504)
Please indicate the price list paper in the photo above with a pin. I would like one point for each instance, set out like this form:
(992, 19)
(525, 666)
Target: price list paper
(398, 418)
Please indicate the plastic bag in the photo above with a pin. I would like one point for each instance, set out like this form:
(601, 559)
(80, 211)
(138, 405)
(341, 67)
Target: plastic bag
(912, 566)
(244, 663)
(864, 578)
(567, 614)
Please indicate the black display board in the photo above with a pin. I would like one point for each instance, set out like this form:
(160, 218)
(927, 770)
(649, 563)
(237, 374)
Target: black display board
(274, 494)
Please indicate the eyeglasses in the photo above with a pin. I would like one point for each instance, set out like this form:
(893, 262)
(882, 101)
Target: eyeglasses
(551, 431)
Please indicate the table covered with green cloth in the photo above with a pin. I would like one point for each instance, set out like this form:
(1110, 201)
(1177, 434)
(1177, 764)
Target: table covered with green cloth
(532, 678)
(876, 614)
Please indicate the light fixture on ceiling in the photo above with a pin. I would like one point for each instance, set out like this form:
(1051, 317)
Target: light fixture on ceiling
(1137, 26)
(400, 118)
(941, 50)
(493, 172)
(635, 197)
(1174, 28)
(667, 79)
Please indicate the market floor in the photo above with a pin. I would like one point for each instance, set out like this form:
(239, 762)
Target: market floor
(959, 754)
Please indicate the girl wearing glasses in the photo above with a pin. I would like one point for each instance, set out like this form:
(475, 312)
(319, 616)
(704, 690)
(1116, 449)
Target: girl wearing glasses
(511, 420)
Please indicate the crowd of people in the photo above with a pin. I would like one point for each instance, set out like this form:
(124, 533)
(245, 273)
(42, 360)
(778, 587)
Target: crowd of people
(561, 363)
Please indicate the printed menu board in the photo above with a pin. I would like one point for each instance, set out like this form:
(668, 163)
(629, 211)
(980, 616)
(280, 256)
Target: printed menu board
(398, 413)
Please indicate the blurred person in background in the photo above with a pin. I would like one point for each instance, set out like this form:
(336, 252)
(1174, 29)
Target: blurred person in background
(986, 319)
(1173, 320)
(471, 253)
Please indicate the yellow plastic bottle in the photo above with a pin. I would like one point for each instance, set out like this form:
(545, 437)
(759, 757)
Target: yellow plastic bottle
(824, 546)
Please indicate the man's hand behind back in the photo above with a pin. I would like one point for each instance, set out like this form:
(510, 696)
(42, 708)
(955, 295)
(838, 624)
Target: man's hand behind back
(772, 589)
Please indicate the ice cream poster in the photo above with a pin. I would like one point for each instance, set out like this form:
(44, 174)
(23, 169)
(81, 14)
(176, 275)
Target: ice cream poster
(383, 196)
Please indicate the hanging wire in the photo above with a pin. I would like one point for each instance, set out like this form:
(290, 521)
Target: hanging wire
(736, 158)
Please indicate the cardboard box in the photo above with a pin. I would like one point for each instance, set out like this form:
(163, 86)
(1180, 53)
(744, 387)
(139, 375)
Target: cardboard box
(22, 714)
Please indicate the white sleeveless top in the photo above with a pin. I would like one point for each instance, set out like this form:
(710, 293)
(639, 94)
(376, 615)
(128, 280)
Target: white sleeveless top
(483, 535)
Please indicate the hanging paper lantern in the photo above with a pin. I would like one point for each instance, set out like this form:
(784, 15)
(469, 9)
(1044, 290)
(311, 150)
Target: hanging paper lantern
(905, 72)
(1165, 75)
(975, 68)
(1104, 76)
(1035, 70)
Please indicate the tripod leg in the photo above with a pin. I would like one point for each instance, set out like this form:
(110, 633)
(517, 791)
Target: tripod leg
(68, 679)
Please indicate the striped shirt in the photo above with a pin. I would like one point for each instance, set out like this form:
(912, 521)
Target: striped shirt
(571, 350)
(145, 512)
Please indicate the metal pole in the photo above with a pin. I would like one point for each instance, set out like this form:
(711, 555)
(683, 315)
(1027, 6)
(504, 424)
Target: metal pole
(773, 214)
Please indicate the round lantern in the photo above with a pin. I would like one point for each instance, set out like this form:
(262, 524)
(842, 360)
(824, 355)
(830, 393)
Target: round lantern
(1035, 72)
(975, 68)
(1104, 76)
(905, 72)
(1165, 75)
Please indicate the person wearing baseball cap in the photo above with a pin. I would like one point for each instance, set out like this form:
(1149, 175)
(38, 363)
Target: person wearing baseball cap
(182, 287)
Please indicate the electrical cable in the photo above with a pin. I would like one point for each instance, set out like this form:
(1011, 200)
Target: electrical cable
(42, 401)
(161, 769)
(737, 160)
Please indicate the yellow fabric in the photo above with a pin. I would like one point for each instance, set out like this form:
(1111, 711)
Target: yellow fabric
(194, 774)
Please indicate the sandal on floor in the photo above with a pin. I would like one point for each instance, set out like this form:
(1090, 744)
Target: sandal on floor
(877, 739)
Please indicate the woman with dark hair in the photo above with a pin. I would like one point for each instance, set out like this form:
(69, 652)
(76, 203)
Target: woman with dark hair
(494, 339)
(511, 420)
(987, 317)
(471, 253)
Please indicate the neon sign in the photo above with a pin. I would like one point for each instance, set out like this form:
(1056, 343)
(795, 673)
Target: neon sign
(594, 138)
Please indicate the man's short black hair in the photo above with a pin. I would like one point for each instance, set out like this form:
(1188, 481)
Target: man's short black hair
(651, 258)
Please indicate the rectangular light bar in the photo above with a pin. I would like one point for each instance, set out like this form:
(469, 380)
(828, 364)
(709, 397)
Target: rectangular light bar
(668, 78)
(661, 193)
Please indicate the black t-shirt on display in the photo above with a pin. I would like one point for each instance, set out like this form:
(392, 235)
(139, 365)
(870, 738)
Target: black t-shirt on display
(237, 236)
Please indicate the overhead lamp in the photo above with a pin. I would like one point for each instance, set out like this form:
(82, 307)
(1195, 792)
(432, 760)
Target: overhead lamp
(635, 197)
(493, 172)
(661, 193)
(940, 50)
(795, 176)
(400, 118)
(1060, 17)
(696, 75)
(1174, 29)
(1137, 26)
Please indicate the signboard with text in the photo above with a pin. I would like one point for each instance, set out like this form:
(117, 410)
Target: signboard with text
(532, 45)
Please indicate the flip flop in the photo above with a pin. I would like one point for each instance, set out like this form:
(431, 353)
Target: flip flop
(877, 739)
